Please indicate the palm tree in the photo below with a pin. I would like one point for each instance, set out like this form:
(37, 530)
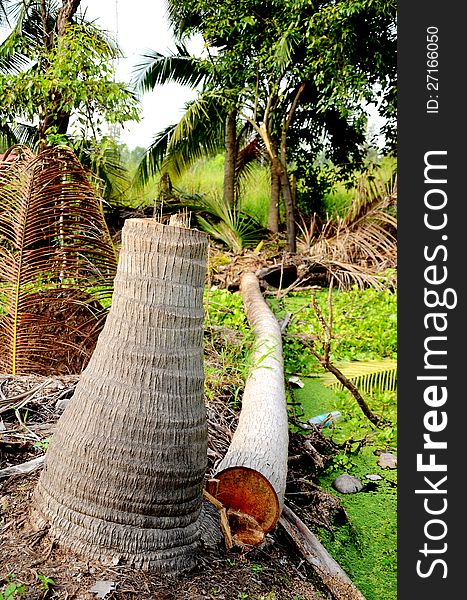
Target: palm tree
(125, 468)
(201, 130)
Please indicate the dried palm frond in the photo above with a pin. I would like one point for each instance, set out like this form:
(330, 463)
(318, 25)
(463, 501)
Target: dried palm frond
(358, 248)
(57, 262)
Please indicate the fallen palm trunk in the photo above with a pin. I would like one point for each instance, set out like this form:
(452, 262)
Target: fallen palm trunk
(333, 577)
(252, 475)
(125, 468)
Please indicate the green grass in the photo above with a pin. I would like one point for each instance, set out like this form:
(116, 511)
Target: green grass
(337, 202)
(207, 177)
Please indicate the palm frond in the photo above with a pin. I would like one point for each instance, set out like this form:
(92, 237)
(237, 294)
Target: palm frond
(57, 262)
(358, 248)
(199, 133)
(235, 228)
(153, 158)
(19, 134)
(368, 376)
(284, 49)
(157, 69)
(112, 174)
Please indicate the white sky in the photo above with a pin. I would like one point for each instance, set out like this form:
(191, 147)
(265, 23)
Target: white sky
(139, 25)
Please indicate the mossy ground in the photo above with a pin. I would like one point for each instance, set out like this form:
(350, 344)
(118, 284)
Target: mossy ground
(365, 547)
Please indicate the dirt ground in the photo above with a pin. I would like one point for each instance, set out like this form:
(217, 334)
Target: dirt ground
(273, 571)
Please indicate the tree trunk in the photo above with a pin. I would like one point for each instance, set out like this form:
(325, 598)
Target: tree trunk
(273, 218)
(252, 475)
(60, 120)
(288, 202)
(125, 468)
(230, 157)
(66, 14)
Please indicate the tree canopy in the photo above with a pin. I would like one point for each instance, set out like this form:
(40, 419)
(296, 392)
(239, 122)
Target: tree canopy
(298, 75)
(56, 67)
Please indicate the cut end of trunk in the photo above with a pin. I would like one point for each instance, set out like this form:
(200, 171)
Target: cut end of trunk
(247, 491)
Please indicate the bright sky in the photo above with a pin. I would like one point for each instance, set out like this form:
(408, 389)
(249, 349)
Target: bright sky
(139, 25)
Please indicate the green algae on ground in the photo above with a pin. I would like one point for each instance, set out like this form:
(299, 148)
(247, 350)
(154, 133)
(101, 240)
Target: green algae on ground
(366, 547)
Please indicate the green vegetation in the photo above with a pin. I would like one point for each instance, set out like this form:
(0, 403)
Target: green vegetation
(13, 589)
(207, 177)
(364, 325)
(73, 75)
(279, 114)
(366, 547)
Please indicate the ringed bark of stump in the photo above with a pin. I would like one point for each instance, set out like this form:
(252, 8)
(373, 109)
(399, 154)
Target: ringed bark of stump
(248, 491)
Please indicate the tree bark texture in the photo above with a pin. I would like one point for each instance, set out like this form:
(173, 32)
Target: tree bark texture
(273, 216)
(281, 168)
(125, 468)
(230, 157)
(252, 475)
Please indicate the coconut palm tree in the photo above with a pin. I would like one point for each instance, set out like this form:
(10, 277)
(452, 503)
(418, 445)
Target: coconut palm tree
(203, 127)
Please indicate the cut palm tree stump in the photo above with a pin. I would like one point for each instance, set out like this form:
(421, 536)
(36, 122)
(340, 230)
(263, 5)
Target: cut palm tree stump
(124, 473)
(251, 477)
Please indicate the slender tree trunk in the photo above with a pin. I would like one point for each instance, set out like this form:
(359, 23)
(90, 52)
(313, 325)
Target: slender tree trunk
(58, 119)
(252, 475)
(273, 218)
(280, 166)
(66, 14)
(289, 197)
(230, 157)
(125, 468)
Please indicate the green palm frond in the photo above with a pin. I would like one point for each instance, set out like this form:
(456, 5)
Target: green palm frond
(26, 34)
(112, 174)
(57, 262)
(368, 376)
(284, 49)
(199, 133)
(235, 228)
(153, 158)
(181, 67)
(239, 230)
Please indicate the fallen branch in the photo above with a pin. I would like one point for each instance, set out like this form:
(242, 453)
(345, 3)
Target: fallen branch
(253, 472)
(23, 468)
(325, 358)
(328, 570)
